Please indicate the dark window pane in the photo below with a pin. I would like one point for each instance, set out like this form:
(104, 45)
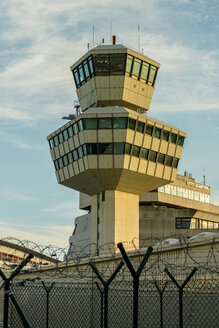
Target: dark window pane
(161, 158)
(84, 150)
(165, 135)
(169, 160)
(152, 74)
(117, 63)
(119, 147)
(81, 73)
(56, 141)
(75, 128)
(76, 76)
(140, 126)
(181, 140)
(65, 160)
(90, 124)
(173, 138)
(80, 125)
(135, 151)
(75, 155)
(70, 131)
(70, 158)
(51, 143)
(60, 161)
(101, 63)
(60, 138)
(153, 156)
(120, 122)
(128, 148)
(178, 223)
(144, 153)
(90, 65)
(157, 132)
(86, 70)
(149, 130)
(136, 67)
(92, 149)
(175, 162)
(129, 63)
(80, 152)
(131, 124)
(105, 123)
(56, 165)
(144, 71)
(65, 134)
(106, 148)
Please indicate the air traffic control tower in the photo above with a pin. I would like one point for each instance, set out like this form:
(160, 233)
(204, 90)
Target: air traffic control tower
(112, 150)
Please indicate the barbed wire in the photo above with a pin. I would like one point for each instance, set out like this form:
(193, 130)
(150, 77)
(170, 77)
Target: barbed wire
(176, 253)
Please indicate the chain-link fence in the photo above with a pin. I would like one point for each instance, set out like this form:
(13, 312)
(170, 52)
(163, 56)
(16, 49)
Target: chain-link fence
(142, 288)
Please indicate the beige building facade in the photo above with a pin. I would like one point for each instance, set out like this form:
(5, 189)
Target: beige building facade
(112, 150)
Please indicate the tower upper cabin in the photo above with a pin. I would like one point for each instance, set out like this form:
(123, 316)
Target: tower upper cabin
(114, 75)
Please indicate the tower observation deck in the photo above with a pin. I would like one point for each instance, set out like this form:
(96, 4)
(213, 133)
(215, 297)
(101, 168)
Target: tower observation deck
(113, 151)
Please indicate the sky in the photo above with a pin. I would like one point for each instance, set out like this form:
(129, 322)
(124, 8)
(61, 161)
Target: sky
(40, 40)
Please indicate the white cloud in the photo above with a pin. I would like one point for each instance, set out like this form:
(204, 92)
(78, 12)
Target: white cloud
(64, 209)
(18, 196)
(56, 235)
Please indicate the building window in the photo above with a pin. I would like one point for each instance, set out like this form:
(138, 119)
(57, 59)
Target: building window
(152, 74)
(65, 160)
(70, 131)
(173, 138)
(175, 162)
(117, 64)
(120, 123)
(161, 158)
(60, 162)
(92, 149)
(119, 147)
(135, 151)
(56, 141)
(183, 223)
(169, 160)
(131, 124)
(105, 123)
(165, 135)
(80, 152)
(140, 127)
(129, 64)
(51, 143)
(136, 67)
(81, 74)
(90, 124)
(65, 134)
(103, 196)
(153, 156)
(157, 132)
(106, 148)
(80, 125)
(144, 71)
(84, 150)
(181, 140)
(149, 129)
(70, 158)
(144, 153)
(75, 155)
(128, 148)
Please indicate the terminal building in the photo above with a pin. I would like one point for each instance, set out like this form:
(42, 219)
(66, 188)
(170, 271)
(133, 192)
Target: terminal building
(122, 161)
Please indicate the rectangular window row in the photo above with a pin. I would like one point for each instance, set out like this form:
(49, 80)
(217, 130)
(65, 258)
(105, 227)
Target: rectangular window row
(115, 148)
(83, 72)
(141, 70)
(115, 123)
(193, 223)
(185, 193)
(114, 64)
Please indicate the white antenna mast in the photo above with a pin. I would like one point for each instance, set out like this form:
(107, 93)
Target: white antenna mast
(139, 44)
(110, 27)
(93, 35)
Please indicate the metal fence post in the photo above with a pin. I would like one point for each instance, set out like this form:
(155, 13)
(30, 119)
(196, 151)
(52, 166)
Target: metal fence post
(136, 276)
(48, 290)
(101, 305)
(7, 282)
(180, 288)
(106, 285)
(161, 291)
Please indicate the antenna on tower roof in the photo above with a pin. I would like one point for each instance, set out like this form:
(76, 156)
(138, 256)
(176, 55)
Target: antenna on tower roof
(139, 45)
(204, 176)
(93, 34)
(110, 26)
